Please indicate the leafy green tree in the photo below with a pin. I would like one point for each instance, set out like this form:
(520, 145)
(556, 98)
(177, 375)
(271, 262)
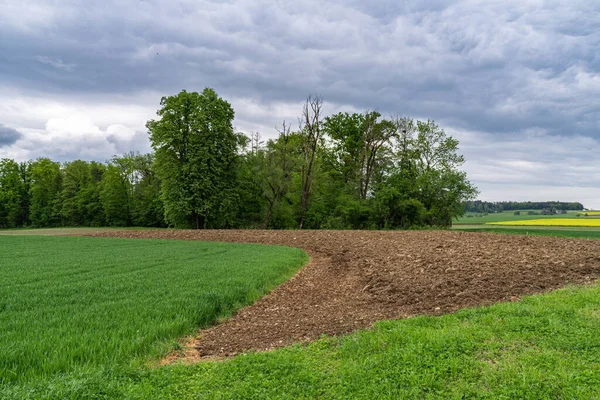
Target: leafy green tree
(347, 132)
(274, 167)
(80, 197)
(443, 187)
(394, 210)
(147, 208)
(114, 196)
(13, 194)
(138, 189)
(196, 154)
(44, 191)
(377, 134)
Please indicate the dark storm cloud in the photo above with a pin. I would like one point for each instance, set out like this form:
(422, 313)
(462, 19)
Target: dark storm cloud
(8, 136)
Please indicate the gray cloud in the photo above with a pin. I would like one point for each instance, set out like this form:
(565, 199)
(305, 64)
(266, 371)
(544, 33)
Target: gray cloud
(517, 81)
(493, 67)
(8, 136)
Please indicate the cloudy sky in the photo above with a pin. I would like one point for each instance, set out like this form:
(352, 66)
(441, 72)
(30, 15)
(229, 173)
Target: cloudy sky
(517, 82)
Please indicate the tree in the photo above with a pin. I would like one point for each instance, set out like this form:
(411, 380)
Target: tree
(346, 132)
(114, 196)
(80, 196)
(442, 186)
(310, 129)
(275, 166)
(14, 199)
(147, 208)
(196, 152)
(44, 191)
(376, 135)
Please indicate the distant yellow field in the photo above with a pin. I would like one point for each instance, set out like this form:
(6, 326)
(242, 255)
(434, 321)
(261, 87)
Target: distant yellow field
(590, 212)
(552, 222)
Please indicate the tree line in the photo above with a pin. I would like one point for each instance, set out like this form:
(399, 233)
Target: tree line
(499, 206)
(341, 171)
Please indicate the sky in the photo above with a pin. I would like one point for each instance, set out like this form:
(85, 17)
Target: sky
(516, 82)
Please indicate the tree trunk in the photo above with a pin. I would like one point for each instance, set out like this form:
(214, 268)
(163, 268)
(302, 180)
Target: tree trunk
(303, 216)
(196, 219)
(266, 223)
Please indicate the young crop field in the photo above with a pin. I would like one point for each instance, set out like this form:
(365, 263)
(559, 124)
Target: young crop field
(591, 222)
(74, 306)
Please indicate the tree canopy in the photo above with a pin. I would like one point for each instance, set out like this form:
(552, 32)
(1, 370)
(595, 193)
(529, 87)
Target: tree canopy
(340, 171)
(196, 152)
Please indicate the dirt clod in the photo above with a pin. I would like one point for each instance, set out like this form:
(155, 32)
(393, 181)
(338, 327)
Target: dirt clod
(358, 277)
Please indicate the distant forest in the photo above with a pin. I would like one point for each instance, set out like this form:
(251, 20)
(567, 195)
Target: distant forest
(342, 171)
(499, 206)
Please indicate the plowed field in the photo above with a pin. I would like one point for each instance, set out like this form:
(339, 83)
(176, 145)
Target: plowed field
(358, 277)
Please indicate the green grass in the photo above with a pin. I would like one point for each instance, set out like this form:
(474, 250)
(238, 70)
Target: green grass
(546, 346)
(73, 306)
(472, 218)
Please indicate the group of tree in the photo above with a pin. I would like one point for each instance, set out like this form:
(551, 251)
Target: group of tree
(342, 171)
(45, 193)
(479, 206)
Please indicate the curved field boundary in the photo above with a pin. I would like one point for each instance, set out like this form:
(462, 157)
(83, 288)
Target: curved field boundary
(358, 277)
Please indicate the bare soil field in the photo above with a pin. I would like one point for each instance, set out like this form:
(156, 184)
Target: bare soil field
(358, 277)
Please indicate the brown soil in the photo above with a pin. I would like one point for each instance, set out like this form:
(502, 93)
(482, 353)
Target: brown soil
(358, 277)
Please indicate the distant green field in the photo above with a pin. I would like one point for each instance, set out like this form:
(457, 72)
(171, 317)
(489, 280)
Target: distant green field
(472, 218)
(573, 232)
(75, 306)
(552, 222)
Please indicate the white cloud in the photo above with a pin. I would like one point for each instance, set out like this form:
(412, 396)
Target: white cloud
(56, 63)
(75, 137)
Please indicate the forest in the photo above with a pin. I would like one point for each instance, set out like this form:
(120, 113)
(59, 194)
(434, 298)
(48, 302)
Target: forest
(340, 171)
(499, 206)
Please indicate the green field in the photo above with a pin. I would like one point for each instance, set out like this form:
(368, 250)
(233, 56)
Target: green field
(473, 218)
(78, 306)
(559, 231)
(500, 223)
(553, 222)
